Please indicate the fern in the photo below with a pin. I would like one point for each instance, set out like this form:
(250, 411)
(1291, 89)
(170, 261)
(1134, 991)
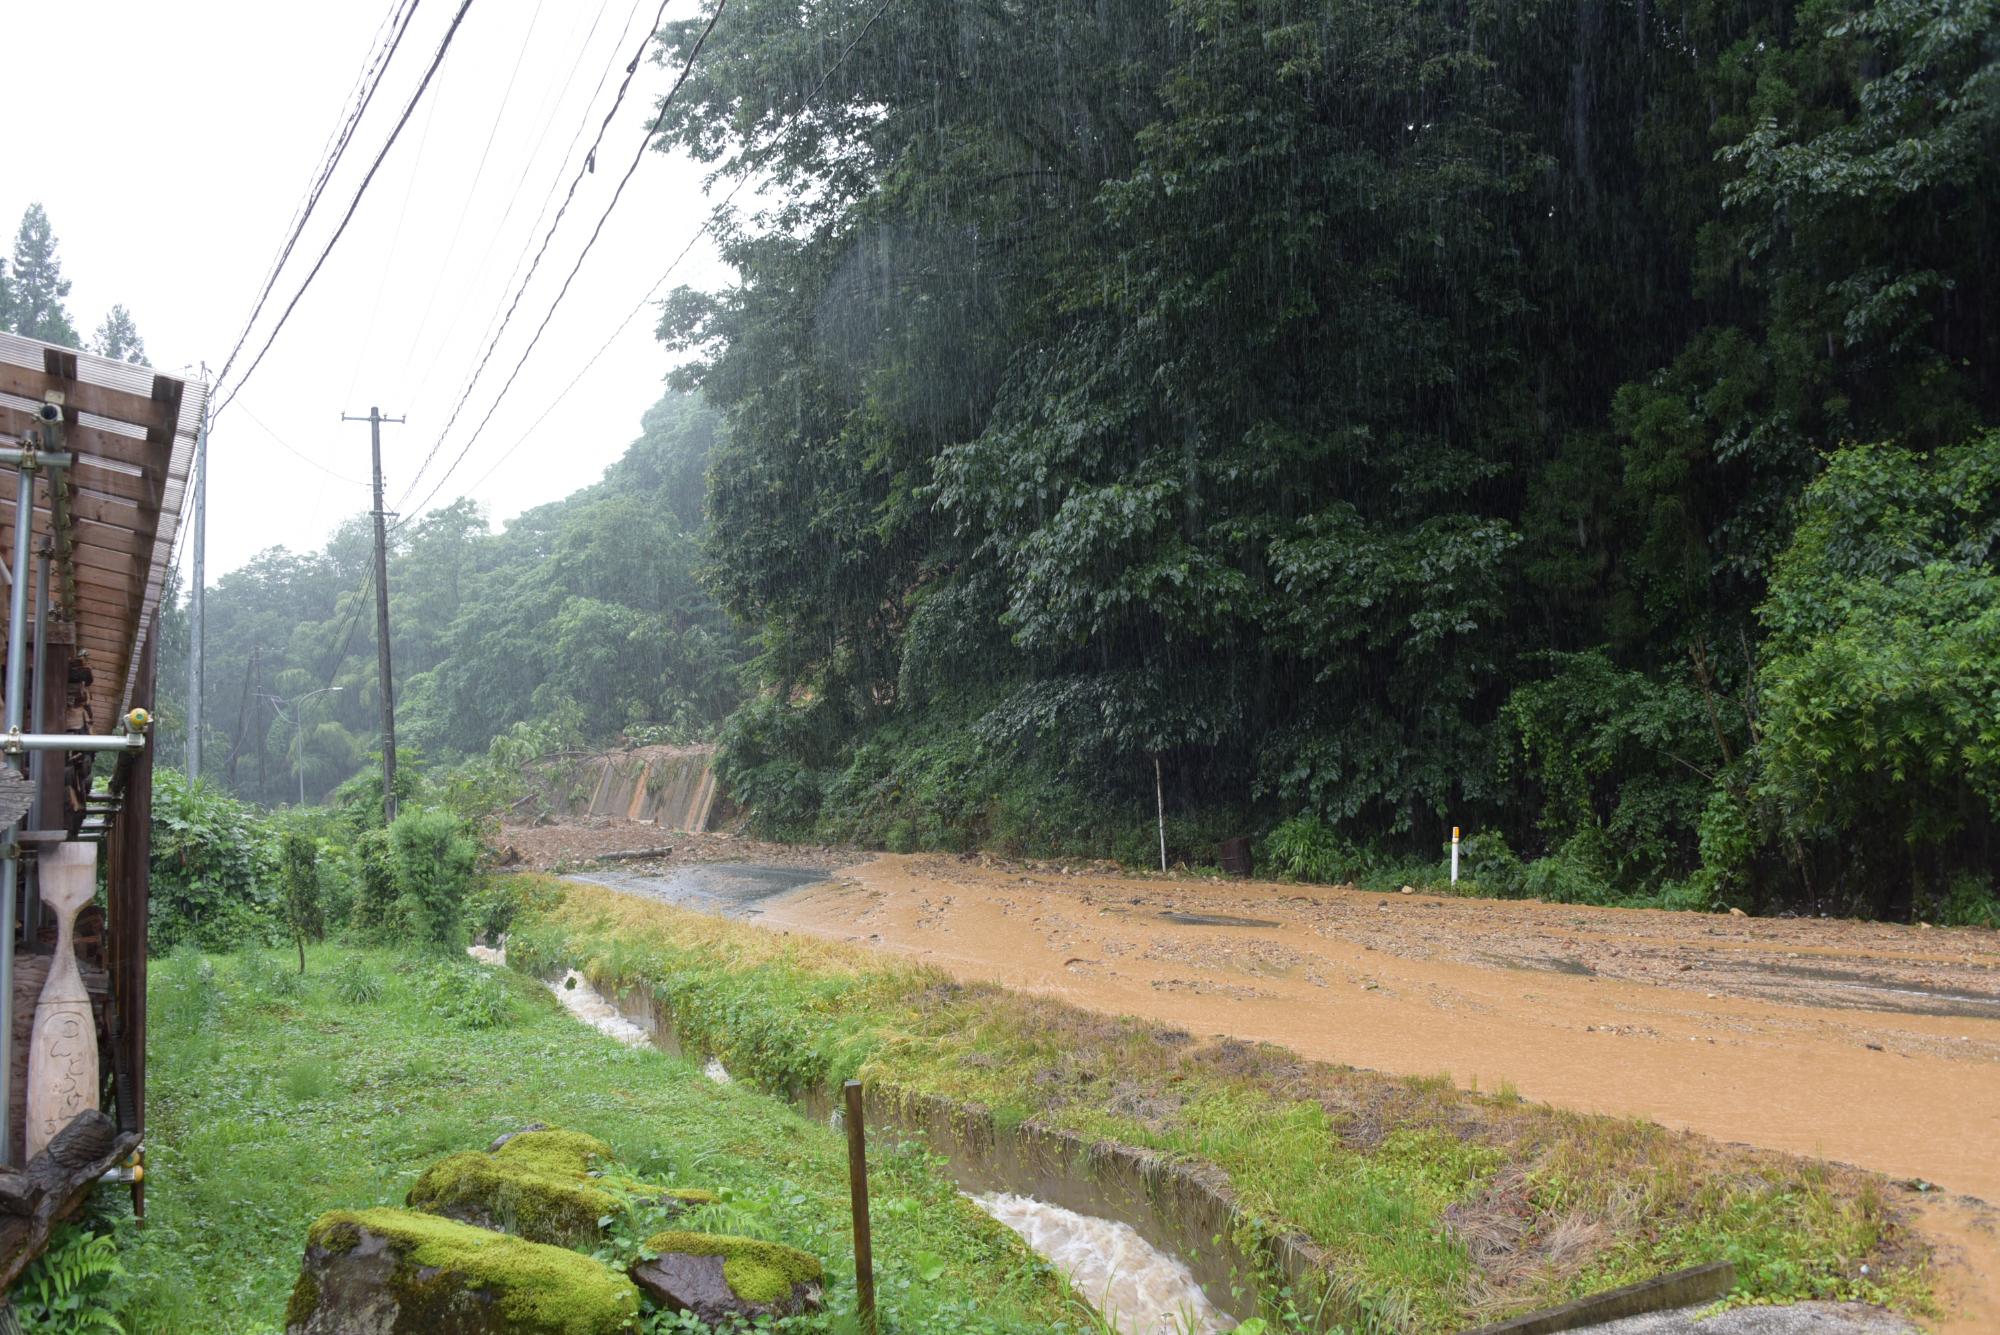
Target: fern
(69, 1290)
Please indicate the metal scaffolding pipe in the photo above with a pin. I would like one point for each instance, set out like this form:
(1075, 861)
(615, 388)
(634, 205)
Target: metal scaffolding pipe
(10, 862)
(39, 722)
(23, 743)
(14, 454)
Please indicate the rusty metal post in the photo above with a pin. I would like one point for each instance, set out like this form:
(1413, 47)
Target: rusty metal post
(857, 1179)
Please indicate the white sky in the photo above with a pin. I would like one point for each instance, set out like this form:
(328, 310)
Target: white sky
(171, 144)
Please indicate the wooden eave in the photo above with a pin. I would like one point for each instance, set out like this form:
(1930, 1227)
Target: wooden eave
(112, 517)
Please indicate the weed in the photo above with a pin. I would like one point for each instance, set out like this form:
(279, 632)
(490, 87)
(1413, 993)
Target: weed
(73, 1287)
(356, 983)
(240, 1165)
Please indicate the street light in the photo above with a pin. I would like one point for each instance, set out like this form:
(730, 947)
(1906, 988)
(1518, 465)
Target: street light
(298, 722)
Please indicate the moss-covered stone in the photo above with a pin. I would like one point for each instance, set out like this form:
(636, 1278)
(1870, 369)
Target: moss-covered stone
(395, 1272)
(555, 1150)
(516, 1195)
(757, 1271)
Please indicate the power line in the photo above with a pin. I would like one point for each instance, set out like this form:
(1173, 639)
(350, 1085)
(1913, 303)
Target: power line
(548, 196)
(360, 604)
(371, 79)
(472, 191)
(659, 282)
(589, 166)
(355, 203)
(301, 454)
(388, 264)
(631, 168)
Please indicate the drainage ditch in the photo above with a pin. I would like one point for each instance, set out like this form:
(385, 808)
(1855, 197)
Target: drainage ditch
(1140, 1240)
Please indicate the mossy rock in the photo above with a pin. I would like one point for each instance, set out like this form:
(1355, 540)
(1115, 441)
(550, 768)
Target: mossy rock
(717, 1277)
(515, 1195)
(396, 1272)
(538, 1183)
(555, 1150)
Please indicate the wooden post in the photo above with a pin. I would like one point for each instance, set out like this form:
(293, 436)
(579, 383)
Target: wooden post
(857, 1178)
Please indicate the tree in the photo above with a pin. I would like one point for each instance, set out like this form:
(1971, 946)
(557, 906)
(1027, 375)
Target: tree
(298, 874)
(1880, 697)
(118, 338)
(1386, 413)
(39, 287)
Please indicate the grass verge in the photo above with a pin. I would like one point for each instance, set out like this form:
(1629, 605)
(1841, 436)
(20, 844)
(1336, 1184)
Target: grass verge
(1439, 1207)
(275, 1098)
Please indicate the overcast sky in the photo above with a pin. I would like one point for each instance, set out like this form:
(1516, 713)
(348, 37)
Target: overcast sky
(172, 143)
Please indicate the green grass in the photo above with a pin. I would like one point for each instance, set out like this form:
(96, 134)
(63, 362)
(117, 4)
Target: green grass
(1440, 1208)
(274, 1099)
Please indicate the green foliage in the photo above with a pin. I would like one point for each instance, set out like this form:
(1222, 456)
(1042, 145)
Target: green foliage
(73, 1287)
(469, 996)
(214, 875)
(1316, 399)
(1971, 900)
(118, 338)
(432, 857)
(1881, 693)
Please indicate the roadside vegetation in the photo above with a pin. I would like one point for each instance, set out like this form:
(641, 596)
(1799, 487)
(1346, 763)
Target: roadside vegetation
(276, 1097)
(1438, 1207)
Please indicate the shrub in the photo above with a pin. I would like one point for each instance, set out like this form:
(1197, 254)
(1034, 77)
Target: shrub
(494, 904)
(1972, 900)
(1882, 681)
(433, 859)
(376, 916)
(472, 997)
(1487, 866)
(1308, 848)
(213, 869)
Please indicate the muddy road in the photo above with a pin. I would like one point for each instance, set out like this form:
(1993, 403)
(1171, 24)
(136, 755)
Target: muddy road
(1868, 1043)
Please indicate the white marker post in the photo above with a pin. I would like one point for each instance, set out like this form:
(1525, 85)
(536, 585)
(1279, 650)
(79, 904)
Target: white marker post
(1454, 855)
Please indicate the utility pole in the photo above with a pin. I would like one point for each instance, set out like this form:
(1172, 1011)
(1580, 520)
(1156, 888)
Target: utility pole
(243, 709)
(388, 688)
(196, 628)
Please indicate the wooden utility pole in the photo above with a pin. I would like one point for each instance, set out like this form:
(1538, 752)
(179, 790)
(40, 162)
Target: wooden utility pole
(243, 712)
(387, 684)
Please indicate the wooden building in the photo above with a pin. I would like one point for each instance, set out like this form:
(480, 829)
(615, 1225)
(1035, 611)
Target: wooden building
(103, 451)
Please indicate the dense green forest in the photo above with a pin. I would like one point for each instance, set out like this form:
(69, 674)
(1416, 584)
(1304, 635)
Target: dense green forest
(582, 619)
(1571, 421)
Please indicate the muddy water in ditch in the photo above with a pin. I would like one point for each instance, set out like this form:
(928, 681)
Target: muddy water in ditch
(1140, 1289)
(1137, 1287)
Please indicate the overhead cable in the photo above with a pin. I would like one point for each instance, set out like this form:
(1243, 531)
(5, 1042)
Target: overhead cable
(408, 110)
(631, 168)
(371, 79)
(661, 281)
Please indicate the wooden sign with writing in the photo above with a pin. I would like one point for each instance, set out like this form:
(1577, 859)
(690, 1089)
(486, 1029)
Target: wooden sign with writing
(62, 1052)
